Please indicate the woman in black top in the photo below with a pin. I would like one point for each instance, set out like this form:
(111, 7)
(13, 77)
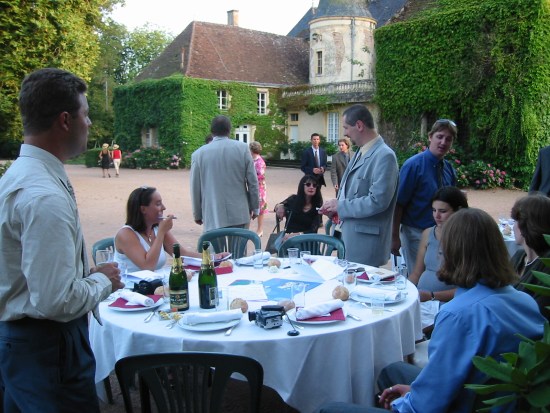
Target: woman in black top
(301, 210)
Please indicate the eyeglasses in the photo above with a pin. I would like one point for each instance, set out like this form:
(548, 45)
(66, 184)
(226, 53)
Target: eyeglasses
(313, 184)
(448, 121)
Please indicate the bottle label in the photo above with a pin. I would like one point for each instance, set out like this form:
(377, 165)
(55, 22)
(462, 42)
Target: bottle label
(179, 299)
(213, 296)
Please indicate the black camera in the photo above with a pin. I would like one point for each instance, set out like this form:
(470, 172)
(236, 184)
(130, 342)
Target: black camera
(147, 287)
(269, 316)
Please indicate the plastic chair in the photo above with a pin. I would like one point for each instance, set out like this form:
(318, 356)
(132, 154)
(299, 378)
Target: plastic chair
(233, 240)
(187, 382)
(103, 244)
(317, 244)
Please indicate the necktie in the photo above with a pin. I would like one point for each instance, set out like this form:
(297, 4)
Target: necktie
(316, 159)
(83, 255)
(439, 167)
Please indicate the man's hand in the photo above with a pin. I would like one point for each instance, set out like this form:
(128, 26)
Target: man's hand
(253, 214)
(112, 272)
(318, 171)
(392, 393)
(395, 245)
(329, 207)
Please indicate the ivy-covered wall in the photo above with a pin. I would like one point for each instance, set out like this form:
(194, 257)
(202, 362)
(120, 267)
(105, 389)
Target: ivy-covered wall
(181, 108)
(484, 63)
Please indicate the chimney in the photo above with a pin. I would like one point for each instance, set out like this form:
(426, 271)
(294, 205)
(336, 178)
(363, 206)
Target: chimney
(233, 18)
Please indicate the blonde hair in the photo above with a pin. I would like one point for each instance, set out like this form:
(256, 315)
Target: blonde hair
(346, 140)
(255, 147)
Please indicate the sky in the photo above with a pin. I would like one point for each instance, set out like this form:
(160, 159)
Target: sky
(173, 16)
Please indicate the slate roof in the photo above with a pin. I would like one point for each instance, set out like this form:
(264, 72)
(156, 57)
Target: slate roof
(380, 10)
(231, 53)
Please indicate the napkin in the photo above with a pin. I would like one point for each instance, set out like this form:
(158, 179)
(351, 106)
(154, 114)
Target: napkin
(390, 277)
(134, 298)
(250, 260)
(369, 292)
(213, 317)
(318, 309)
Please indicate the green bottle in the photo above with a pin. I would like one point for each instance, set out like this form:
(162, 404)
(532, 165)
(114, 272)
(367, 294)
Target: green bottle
(208, 283)
(179, 287)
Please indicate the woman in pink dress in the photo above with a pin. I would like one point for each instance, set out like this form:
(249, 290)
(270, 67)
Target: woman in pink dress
(259, 164)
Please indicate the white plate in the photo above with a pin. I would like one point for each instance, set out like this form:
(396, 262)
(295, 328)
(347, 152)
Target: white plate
(251, 263)
(354, 296)
(157, 304)
(360, 280)
(220, 325)
(292, 315)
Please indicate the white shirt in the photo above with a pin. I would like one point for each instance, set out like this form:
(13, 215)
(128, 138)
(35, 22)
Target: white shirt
(41, 268)
(121, 258)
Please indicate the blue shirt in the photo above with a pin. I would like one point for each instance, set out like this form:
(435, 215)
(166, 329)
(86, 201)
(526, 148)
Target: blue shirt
(479, 321)
(418, 184)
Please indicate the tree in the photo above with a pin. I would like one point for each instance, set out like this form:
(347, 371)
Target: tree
(43, 33)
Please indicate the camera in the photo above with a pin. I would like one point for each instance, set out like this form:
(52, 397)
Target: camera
(269, 316)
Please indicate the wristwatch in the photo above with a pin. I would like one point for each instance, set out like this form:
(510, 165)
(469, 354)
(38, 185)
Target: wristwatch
(433, 296)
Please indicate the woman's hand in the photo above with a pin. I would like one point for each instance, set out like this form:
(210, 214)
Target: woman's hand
(221, 255)
(166, 224)
(280, 211)
(424, 295)
(392, 393)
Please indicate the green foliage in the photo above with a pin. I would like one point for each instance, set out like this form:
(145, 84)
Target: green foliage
(297, 148)
(523, 376)
(483, 63)
(181, 110)
(151, 158)
(44, 33)
(4, 167)
(92, 157)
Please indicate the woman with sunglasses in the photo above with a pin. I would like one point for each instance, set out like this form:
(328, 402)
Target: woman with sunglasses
(300, 210)
(142, 243)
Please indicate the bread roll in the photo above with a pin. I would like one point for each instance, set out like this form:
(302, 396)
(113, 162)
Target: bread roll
(340, 292)
(239, 303)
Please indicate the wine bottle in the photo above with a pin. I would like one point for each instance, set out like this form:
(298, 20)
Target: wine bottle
(179, 288)
(208, 283)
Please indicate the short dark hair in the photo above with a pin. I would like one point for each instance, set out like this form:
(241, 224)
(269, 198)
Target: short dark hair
(532, 215)
(45, 93)
(359, 112)
(474, 250)
(444, 124)
(139, 197)
(208, 138)
(220, 126)
(451, 195)
(314, 134)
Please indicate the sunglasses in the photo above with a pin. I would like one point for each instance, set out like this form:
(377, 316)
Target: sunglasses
(308, 184)
(446, 121)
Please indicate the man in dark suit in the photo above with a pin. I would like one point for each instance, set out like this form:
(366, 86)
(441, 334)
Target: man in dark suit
(314, 159)
(541, 178)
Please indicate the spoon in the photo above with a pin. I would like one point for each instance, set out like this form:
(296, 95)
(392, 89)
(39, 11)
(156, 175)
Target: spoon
(229, 331)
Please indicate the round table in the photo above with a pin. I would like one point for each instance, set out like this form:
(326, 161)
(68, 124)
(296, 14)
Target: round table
(337, 361)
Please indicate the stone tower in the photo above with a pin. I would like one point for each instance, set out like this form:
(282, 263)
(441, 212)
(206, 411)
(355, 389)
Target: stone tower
(341, 42)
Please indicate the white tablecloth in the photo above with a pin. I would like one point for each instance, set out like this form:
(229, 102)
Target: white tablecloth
(329, 362)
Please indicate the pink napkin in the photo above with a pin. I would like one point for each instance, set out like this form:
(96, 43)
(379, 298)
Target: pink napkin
(364, 276)
(121, 302)
(337, 314)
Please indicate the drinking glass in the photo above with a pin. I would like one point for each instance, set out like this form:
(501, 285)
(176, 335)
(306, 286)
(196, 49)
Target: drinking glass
(299, 294)
(350, 280)
(305, 257)
(258, 259)
(377, 304)
(401, 282)
(223, 299)
(293, 256)
(103, 257)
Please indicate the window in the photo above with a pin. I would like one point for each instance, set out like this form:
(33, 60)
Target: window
(319, 63)
(262, 103)
(149, 138)
(223, 101)
(333, 127)
(294, 117)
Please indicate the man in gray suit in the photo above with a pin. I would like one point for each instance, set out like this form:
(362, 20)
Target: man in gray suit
(224, 186)
(368, 192)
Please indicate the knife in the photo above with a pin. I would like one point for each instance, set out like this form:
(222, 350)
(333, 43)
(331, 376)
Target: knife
(149, 317)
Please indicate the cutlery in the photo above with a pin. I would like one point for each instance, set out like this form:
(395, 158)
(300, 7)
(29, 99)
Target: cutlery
(149, 317)
(353, 317)
(369, 307)
(171, 324)
(229, 331)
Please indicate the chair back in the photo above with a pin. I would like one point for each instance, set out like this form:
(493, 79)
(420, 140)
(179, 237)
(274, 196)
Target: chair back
(102, 244)
(187, 382)
(317, 244)
(233, 240)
